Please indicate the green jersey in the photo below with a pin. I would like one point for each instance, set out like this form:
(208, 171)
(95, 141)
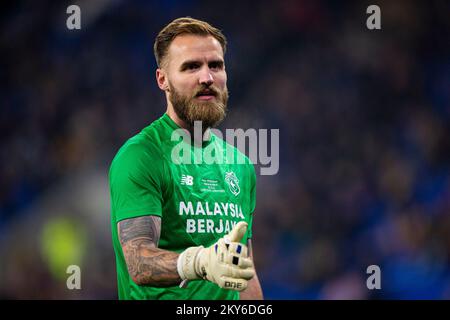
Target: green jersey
(198, 202)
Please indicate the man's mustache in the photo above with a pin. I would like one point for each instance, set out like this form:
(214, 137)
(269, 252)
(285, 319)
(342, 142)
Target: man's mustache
(211, 90)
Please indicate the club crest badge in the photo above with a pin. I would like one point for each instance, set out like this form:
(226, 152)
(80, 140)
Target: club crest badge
(233, 182)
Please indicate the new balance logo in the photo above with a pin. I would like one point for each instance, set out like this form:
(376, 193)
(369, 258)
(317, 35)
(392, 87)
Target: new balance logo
(187, 180)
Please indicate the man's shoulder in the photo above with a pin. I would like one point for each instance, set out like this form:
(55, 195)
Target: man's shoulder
(139, 145)
(145, 145)
(157, 132)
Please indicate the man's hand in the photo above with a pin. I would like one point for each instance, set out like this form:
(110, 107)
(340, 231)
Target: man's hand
(225, 263)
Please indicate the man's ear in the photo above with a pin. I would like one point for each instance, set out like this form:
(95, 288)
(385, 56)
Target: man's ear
(161, 79)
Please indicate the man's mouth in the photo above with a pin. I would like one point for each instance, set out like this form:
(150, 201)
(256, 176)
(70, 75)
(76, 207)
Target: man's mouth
(205, 95)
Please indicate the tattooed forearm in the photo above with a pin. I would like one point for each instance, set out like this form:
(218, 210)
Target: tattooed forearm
(147, 264)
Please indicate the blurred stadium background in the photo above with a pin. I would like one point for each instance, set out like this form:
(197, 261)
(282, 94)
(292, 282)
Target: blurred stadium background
(364, 128)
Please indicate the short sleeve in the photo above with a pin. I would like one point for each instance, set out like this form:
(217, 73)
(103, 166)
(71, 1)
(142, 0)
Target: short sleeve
(135, 179)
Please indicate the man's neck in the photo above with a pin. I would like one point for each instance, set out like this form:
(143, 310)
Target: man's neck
(206, 133)
(173, 115)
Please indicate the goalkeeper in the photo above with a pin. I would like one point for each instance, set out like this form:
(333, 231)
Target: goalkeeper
(182, 230)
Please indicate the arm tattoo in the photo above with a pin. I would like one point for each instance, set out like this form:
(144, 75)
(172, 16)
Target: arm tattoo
(142, 227)
(147, 264)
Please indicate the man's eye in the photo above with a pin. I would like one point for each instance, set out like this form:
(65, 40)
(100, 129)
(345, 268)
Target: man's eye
(215, 65)
(192, 66)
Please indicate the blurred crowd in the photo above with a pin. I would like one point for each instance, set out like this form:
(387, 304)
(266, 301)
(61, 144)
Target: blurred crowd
(364, 140)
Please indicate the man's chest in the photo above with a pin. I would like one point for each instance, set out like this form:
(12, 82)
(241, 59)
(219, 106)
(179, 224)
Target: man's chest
(205, 202)
(208, 183)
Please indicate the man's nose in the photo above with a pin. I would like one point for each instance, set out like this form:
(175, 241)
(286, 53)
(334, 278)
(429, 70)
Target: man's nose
(206, 77)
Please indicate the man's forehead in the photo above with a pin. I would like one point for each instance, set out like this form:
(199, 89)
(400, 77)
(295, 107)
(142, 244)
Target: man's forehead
(188, 47)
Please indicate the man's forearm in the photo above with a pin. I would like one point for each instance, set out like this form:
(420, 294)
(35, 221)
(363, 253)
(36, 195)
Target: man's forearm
(151, 266)
(147, 264)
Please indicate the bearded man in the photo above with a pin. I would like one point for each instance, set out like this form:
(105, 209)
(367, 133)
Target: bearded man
(182, 229)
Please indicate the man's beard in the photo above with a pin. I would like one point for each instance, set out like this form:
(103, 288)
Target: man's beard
(190, 109)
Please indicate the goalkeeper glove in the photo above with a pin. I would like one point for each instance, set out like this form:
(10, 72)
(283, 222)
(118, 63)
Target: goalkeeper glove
(225, 263)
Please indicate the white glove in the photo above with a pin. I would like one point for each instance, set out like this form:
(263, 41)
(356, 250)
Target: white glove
(225, 263)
